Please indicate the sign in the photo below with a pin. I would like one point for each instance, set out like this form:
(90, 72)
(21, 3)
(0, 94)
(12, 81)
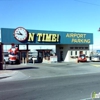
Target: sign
(40, 37)
(53, 58)
(78, 38)
(43, 37)
(21, 35)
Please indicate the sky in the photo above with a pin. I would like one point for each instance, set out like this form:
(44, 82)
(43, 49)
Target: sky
(54, 15)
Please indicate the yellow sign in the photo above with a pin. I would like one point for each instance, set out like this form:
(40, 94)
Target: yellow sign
(31, 37)
(44, 37)
(78, 38)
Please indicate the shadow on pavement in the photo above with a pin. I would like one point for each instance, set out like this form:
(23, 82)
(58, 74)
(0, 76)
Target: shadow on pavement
(23, 68)
(4, 77)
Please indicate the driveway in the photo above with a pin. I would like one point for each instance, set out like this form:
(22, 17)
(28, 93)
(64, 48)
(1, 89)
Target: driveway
(35, 71)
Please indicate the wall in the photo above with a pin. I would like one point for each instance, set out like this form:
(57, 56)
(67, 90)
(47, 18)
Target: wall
(67, 52)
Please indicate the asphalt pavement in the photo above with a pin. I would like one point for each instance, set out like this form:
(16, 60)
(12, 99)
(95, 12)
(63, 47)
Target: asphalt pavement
(78, 87)
(34, 71)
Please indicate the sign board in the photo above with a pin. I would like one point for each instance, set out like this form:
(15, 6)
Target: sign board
(53, 58)
(21, 35)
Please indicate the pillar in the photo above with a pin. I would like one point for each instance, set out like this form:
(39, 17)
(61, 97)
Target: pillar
(27, 53)
(1, 56)
(18, 46)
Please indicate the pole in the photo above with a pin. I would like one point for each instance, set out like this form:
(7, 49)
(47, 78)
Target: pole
(92, 48)
(1, 56)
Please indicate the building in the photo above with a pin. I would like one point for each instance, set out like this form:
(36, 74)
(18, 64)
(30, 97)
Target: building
(68, 44)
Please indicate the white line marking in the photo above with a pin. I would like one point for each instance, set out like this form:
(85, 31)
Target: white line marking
(86, 99)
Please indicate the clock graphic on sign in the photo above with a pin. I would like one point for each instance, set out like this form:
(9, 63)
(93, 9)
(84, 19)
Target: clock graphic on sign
(20, 34)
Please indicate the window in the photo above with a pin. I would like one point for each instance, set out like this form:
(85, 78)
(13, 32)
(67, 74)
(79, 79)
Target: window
(76, 47)
(71, 53)
(61, 47)
(75, 52)
(81, 47)
(86, 47)
(71, 47)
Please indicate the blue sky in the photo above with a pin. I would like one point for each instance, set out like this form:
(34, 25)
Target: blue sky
(58, 15)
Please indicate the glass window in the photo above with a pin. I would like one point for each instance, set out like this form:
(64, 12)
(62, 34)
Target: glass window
(71, 47)
(82, 55)
(75, 52)
(86, 48)
(76, 47)
(81, 47)
(61, 47)
(71, 52)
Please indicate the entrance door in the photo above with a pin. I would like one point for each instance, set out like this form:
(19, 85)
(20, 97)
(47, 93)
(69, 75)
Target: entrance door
(61, 55)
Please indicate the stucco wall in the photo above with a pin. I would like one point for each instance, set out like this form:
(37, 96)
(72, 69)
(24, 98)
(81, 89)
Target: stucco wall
(67, 52)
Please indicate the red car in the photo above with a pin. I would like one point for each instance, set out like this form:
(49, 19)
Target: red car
(82, 58)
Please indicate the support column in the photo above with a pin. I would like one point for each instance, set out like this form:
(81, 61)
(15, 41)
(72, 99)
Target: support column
(1, 56)
(27, 53)
(18, 46)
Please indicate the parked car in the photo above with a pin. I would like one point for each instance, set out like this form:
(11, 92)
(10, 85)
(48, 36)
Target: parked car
(6, 58)
(82, 58)
(31, 58)
(95, 58)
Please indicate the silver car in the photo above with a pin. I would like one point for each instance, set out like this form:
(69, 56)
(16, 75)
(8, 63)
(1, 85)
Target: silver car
(95, 58)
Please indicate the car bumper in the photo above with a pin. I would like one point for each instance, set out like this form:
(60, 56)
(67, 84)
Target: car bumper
(82, 60)
(95, 60)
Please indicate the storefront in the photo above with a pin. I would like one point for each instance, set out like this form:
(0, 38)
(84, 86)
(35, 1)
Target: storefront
(68, 44)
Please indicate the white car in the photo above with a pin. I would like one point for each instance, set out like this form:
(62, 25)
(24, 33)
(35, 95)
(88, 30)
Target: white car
(6, 58)
(32, 58)
(95, 58)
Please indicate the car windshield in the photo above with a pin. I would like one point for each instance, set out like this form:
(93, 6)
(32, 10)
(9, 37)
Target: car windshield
(6, 55)
(82, 55)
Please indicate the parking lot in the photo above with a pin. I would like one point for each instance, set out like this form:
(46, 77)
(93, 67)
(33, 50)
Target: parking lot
(56, 69)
